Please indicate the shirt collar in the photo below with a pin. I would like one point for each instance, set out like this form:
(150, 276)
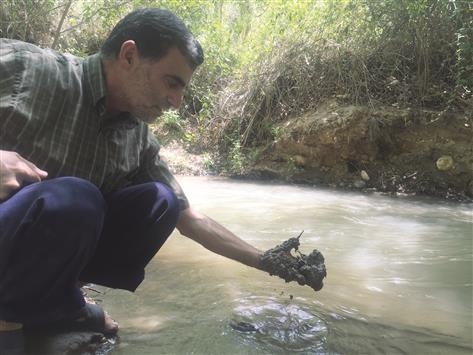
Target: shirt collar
(94, 79)
(95, 84)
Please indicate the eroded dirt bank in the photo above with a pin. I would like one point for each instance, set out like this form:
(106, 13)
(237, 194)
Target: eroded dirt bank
(385, 148)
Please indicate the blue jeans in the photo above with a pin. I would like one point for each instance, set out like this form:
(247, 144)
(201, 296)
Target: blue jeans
(60, 231)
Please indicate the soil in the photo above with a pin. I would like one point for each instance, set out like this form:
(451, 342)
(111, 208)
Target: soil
(385, 148)
(182, 162)
(295, 266)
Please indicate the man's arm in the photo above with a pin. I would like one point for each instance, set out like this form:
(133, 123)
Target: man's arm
(217, 238)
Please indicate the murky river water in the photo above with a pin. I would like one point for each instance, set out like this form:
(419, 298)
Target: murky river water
(399, 278)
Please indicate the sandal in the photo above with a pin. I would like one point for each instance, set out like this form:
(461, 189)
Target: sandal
(90, 318)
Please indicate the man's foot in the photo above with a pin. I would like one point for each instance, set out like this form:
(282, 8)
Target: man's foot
(93, 318)
(90, 318)
(110, 325)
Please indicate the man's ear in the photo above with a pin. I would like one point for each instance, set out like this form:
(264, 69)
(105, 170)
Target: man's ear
(128, 55)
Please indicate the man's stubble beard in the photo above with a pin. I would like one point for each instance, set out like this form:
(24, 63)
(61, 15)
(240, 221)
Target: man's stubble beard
(144, 106)
(147, 115)
(143, 111)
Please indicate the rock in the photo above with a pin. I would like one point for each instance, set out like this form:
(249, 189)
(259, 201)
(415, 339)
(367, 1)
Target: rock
(444, 163)
(299, 160)
(359, 184)
(470, 189)
(364, 175)
(242, 326)
(75, 342)
(266, 172)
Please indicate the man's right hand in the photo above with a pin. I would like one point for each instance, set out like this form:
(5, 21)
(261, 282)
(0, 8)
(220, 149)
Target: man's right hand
(15, 172)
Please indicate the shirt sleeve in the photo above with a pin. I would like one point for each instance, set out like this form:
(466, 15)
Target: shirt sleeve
(152, 168)
(8, 81)
(16, 102)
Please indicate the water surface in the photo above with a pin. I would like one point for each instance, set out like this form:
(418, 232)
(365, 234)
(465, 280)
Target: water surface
(399, 277)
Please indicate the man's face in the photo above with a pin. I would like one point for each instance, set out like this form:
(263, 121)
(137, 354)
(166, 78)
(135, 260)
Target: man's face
(155, 86)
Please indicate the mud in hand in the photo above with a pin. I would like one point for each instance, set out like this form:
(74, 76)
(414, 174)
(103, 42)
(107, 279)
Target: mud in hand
(305, 269)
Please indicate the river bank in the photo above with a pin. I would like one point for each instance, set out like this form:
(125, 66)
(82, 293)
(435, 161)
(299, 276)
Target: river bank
(387, 149)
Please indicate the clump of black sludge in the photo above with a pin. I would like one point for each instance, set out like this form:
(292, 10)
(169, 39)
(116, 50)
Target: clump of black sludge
(304, 269)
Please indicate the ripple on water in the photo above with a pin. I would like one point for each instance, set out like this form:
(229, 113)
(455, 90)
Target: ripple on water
(279, 324)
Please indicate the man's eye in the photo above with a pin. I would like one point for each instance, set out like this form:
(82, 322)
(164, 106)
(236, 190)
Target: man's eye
(173, 84)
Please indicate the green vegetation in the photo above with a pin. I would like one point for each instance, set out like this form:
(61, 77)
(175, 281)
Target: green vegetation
(268, 60)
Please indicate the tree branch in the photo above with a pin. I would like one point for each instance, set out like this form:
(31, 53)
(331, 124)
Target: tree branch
(57, 34)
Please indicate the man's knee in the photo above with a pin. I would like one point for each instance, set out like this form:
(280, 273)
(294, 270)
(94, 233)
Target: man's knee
(71, 188)
(70, 204)
(171, 202)
(73, 197)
